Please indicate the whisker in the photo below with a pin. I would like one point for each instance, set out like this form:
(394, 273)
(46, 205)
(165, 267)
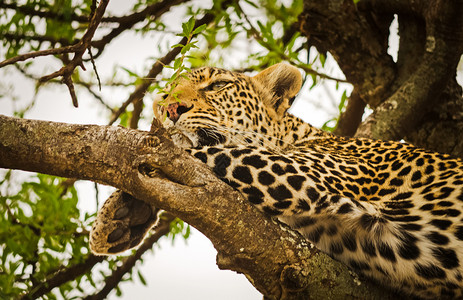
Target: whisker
(239, 136)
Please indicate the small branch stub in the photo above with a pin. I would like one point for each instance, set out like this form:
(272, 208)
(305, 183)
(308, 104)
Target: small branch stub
(294, 278)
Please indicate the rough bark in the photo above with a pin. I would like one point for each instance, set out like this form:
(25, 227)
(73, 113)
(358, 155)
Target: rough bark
(351, 118)
(415, 98)
(277, 261)
(358, 42)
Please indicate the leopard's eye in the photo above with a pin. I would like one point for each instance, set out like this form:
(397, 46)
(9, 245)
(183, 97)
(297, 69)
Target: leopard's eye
(216, 86)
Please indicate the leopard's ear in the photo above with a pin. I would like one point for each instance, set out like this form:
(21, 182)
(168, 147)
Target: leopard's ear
(278, 85)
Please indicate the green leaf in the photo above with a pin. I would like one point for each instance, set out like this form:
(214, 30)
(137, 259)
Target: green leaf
(199, 29)
(118, 291)
(131, 73)
(342, 102)
(251, 3)
(187, 233)
(185, 49)
(327, 126)
(188, 27)
(142, 279)
(177, 63)
(177, 46)
(322, 58)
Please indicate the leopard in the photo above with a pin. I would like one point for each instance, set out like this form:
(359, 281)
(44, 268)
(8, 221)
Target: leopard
(387, 209)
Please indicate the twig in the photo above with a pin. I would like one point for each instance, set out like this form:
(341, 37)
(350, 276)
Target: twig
(113, 280)
(86, 85)
(94, 67)
(94, 94)
(97, 197)
(22, 57)
(67, 80)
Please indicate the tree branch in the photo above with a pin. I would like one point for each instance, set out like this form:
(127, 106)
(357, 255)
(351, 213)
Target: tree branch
(350, 119)
(279, 262)
(26, 56)
(15, 36)
(31, 11)
(81, 46)
(63, 276)
(358, 41)
(123, 23)
(444, 45)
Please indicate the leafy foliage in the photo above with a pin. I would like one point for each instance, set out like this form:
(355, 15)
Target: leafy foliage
(41, 231)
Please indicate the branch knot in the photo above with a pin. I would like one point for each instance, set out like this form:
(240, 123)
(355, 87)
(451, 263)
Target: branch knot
(293, 278)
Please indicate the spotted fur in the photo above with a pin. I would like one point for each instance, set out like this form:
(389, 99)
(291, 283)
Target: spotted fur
(388, 210)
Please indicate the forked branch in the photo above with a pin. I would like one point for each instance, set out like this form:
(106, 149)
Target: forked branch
(78, 49)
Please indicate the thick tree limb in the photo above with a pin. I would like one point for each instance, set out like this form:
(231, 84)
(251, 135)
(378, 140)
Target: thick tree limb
(356, 39)
(444, 45)
(416, 98)
(279, 263)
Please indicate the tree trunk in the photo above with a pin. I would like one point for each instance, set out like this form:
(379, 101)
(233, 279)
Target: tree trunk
(415, 98)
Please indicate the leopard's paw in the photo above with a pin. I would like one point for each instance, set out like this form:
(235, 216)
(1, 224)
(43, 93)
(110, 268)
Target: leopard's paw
(121, 224)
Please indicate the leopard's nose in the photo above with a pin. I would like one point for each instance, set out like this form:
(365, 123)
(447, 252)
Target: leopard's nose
(175, 110)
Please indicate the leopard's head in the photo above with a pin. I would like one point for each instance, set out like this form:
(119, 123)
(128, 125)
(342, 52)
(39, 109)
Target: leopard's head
(215, 106)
